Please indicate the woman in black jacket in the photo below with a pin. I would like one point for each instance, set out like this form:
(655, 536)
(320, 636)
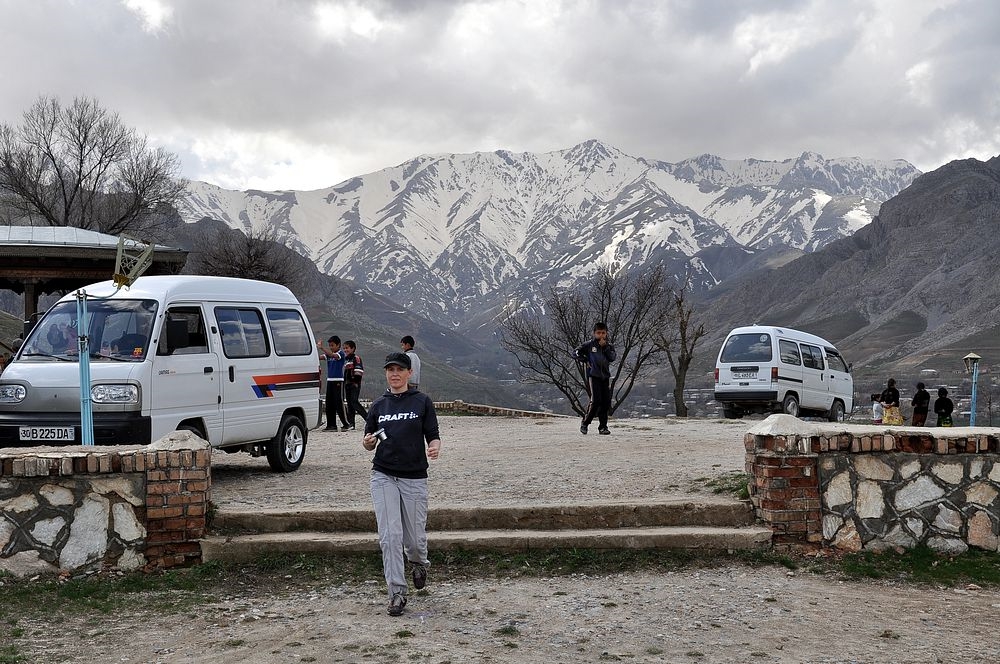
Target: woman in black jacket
(943, 407)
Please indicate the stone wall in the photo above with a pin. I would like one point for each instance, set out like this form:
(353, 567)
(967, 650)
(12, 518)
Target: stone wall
(866, 487)
(81, 508)
(458, 406)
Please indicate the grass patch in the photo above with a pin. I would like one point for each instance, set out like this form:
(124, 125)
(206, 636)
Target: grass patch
(732, 483)
(924, 565)
(176, 591)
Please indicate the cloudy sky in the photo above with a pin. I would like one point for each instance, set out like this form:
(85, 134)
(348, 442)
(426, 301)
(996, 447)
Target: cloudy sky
(302, 94)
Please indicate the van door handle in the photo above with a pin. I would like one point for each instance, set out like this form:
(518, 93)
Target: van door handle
(232, 374)
(209, 370)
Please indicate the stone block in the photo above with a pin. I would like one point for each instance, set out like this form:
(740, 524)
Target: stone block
(88, 535)
(981, 493)
(871, 467)
(46, 531)
(982, 533)
(56, 495)
(126, 525)
(870, 501)
(948, 546)
(949, 472)
(920, 491)
(838, 491)
(948, 520)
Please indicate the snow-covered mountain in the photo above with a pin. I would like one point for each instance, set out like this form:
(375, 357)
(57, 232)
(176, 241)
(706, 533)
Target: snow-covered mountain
(448, 235)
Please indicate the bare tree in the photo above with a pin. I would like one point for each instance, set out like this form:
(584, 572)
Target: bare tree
(679, 344)
(256, 254)
(81, 166)
(632, 304)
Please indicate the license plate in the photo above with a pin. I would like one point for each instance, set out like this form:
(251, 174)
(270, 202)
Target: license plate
(744, 374)
(59, 434)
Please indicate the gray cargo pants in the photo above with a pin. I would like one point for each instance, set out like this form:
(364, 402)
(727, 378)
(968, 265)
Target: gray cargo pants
(401, 512)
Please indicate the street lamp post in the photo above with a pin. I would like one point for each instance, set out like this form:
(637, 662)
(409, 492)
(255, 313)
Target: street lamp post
(972, 365)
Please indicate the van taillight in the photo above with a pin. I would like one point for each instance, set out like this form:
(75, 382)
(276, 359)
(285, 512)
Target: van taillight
(716, 374)
(774, 374)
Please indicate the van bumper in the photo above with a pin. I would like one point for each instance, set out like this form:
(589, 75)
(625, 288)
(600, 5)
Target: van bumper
(761, 397)
(109, 428)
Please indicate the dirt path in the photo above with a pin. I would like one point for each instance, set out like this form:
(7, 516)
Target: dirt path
(729, 614)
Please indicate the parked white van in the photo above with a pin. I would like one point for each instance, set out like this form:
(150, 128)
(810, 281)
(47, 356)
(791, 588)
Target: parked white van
(765, 369)
(232, 360)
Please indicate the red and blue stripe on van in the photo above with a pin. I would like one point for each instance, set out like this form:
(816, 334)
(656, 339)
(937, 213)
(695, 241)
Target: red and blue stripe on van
(266, 386)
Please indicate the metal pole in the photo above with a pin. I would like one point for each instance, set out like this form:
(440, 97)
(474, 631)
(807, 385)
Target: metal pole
(82, 327)
(972, 406)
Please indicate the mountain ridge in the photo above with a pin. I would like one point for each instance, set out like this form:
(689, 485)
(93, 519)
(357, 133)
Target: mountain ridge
(447, 234)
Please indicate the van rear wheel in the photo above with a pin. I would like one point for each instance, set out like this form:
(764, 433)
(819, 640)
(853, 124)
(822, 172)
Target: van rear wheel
(286, 450)
(837, 411)
(790, 406)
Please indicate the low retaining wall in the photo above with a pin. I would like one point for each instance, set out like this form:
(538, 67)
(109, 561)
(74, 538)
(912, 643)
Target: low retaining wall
(865, 487)
(104, 507)
(459, 406)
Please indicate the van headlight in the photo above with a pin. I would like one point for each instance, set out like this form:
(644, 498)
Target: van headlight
(114, 394)
(12, 393)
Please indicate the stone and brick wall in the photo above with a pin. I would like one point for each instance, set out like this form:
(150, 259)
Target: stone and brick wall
(459, 406)
(865, 487)
(123, 507)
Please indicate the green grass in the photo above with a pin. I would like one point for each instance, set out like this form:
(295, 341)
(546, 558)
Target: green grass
(922, 565)
(733, 483)
(178, 590)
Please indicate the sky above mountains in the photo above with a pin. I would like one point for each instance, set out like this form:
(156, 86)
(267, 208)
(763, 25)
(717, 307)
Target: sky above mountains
(304, 94)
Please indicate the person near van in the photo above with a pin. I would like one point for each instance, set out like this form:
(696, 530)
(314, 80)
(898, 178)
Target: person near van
(943, 408)
(409, 436)
(407, 343)
(597, 354)
(890, 402)
(354, 372)
(877, 410)
(921, 402)
(335, 360)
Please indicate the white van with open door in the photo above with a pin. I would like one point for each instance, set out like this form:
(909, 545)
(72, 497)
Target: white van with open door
(764, 369)
(232, 360)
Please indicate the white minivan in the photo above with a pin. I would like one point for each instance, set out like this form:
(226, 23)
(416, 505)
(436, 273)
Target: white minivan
(763, 369)
(232, 360)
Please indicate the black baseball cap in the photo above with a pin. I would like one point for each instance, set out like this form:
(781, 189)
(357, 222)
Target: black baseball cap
(399, 359)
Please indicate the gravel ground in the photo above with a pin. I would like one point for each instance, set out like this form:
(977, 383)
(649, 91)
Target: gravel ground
(726, 613)
(502, 461)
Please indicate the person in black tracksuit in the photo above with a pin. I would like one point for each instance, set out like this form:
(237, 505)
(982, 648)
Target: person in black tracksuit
(598, 354)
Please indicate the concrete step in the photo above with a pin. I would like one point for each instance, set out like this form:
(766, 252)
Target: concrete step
(242, 548)
(709, 511)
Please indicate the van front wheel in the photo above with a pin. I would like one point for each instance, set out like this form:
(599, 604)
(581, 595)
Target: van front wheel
(286, 450)
(790, 406)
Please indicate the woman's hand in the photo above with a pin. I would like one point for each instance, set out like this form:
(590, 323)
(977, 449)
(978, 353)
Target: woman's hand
(434, 449)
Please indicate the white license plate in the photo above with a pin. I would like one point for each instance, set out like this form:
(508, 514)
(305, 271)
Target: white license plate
(744, 374)
(59, 434)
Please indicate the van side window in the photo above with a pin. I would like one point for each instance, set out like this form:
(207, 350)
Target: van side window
(183, 332)
(747, 348)
(289, 332)
(836, 361)
(789, 351)
(242, 331)
(812, 357)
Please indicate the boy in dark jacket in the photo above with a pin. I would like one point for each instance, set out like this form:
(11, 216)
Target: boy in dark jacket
(597, 354)
(354, 372)
(921, 403)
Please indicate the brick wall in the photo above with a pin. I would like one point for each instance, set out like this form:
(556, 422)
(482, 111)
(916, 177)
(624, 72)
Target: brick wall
(104, 507)
(865, 487)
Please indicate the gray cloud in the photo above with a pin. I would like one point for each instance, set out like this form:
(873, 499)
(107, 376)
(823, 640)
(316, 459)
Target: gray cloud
(304, 94)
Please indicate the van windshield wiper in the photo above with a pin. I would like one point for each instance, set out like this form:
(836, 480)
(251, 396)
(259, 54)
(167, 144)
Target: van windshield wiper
(58, 357)
(113, 358)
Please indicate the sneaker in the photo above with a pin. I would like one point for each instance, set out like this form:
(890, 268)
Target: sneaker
(604, 431)
(396, 604)
(583, 429)
(330, 429)
(347, 428)
(419, 576)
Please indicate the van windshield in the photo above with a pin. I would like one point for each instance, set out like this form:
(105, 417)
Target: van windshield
(755, 347)
(118, 330)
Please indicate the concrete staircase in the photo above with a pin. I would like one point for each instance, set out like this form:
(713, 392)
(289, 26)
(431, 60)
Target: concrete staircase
(704, 523)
